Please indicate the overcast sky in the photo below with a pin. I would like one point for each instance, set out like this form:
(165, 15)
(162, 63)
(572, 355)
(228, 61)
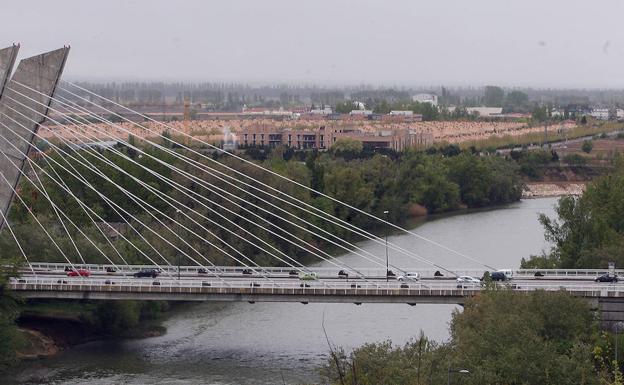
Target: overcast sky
(541, 43)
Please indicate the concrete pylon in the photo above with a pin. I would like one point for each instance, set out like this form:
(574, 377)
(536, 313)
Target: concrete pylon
(41, 73)
(7, 60)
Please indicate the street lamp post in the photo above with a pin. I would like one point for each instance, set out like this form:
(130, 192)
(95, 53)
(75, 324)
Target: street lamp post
(464, 371)
(386, 236)
(178, 220)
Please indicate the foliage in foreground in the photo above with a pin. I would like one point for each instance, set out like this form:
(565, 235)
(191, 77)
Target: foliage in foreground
(9, 309)
(501, 337)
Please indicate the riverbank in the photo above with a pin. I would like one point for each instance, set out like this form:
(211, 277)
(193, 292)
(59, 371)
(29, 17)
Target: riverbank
(552, 189)
(51, 327)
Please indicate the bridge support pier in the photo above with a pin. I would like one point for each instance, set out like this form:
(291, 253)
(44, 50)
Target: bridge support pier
(610, 310)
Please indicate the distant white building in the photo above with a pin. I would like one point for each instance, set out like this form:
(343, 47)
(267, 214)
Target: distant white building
(486, 112)
(361, 112)
(600, 113)
(402, 113)
(324, 111)
(426, 98)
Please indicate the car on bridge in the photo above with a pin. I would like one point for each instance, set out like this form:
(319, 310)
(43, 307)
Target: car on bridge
(78, 273)
(152, 273)
(465, 281)
(409, 276)
(607, 278)
(498, 276)
(312, 276)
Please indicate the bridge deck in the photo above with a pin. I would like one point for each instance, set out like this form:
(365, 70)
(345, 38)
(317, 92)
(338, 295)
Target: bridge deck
(284, 291)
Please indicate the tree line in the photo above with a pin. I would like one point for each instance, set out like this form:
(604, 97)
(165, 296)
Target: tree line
(404, 184)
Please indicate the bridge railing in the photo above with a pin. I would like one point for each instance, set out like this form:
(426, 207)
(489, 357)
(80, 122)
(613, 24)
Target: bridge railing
(324, 271)
(316, 287)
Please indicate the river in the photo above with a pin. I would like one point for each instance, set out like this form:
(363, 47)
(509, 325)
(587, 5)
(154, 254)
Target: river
(276, 343)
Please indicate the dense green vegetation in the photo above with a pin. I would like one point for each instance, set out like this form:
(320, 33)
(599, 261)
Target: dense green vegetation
(403, 183)
(590, 230)
(500, 337)
(9, 309)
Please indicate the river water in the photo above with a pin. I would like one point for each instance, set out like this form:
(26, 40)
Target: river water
(276, 343)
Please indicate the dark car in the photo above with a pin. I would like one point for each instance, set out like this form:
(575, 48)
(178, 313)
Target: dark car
(152, 273)
(201, 270)
(110, 269)
(247, 272)
(498, 276)
(343, 274)
(607, 278)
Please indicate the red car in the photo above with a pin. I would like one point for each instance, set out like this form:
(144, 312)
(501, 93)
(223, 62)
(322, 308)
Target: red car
(79, 272)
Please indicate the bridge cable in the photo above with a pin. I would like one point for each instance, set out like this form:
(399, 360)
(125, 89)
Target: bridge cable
(19, 245)
(374, 238)
(150, 170)
(133, 218)
(180, 188)
(58, 215)
(95, 190)
(126, 192)
(60, 250)
(276, 174)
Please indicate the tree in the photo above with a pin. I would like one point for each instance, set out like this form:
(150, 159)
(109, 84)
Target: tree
(540, 113)
(347, 146)
(587, 146)
(344, 107)
(504, 337)
(501, 337)
(589, 231)
(516, 101)
(493, 96)
(9, 338)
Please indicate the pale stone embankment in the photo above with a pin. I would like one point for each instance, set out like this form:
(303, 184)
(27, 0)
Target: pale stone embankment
(552, 189)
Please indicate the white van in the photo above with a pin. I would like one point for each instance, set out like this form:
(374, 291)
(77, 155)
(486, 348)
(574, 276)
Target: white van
(508, 273)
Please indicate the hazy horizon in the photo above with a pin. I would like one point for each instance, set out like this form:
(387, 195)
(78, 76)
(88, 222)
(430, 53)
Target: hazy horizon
(404, 44)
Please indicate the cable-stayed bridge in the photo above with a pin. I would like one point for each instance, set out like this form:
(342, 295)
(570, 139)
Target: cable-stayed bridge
(161, 198)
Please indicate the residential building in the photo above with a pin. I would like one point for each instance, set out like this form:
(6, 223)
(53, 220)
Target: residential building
(322, 138)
